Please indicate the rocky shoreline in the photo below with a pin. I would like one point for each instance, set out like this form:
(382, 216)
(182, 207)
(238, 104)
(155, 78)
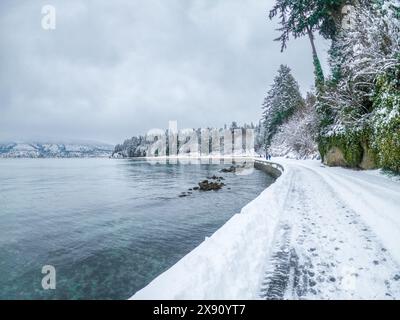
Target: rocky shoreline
(212, 183)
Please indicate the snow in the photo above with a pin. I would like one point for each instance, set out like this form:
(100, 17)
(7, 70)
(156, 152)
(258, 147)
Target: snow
(316, 233)
(24, 147)
(343, 232)
(375, 198)
(229, 264)
(46, 149)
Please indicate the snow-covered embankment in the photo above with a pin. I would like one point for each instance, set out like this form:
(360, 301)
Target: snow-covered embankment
(229, 264)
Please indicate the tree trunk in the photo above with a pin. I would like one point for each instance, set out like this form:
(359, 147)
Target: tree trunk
(319, 75)
(311, 37)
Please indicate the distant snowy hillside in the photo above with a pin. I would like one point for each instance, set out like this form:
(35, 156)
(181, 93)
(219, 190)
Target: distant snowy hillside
(139, 146)
(54, 150)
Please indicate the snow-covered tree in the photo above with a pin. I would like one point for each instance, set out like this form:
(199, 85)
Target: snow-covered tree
(359, 56)
(296, 138)
(360, 106)
(234, 125)
(305, 17)
(190, 140)
(282, 100)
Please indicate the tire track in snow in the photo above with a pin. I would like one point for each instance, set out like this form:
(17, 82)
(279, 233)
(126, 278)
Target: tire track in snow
(285, 272)
(323, 250)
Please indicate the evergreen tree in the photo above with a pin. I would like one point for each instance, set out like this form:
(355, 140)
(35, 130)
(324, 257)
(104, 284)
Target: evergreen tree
(359, 108)
(282, 100)
(234, 125)
(304, 17)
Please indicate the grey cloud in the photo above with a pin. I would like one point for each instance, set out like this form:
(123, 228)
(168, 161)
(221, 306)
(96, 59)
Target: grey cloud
(113, 69)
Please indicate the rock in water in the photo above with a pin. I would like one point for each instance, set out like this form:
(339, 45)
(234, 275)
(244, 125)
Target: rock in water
(214, 177)
(230, 169)
(208, 186)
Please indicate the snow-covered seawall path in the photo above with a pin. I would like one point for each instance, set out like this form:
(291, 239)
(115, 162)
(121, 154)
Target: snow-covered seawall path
(338, 236)
(317, 233)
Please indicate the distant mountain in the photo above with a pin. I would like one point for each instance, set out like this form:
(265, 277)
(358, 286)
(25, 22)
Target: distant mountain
(55, 149)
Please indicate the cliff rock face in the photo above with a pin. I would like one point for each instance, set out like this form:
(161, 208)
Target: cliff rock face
(335, 158)
(368, 159)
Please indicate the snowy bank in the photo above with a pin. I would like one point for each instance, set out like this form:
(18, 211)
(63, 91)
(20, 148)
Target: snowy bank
(311, 215)
(229, 264)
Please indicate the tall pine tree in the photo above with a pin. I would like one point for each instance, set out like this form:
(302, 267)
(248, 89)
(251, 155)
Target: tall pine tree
(305, 17)
(282, 100)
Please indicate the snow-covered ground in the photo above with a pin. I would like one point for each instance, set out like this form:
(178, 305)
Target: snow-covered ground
(316, 233)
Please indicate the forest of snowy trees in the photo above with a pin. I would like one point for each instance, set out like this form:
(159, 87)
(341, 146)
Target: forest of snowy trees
(289, 121)
(192, 141)
(352, 116)
(354, 113)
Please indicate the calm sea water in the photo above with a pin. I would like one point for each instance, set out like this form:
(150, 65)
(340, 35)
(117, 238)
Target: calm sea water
(108, 226)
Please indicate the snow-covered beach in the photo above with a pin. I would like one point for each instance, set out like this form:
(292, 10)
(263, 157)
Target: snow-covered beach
(316, 233)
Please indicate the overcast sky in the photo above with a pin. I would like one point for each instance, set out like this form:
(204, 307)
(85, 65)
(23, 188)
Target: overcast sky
(114, 69)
